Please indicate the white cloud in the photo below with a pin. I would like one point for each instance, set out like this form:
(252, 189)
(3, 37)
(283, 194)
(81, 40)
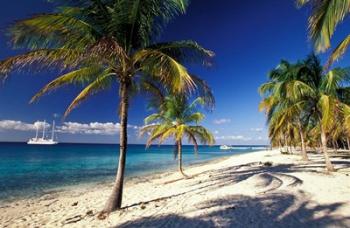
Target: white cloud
(6, 125)
(216, 132)
(256, 129)
(94, 128)
(233, 137)
(222, 121)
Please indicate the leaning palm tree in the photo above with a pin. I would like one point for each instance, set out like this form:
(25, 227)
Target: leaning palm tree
(318, 95)
(283, 108)
(176, 119)
(325, 16)
(100, 42)
(322, 101)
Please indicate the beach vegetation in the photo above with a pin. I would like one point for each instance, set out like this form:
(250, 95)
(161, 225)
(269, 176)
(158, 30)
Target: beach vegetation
(178, 118)
(307, 106)
(326, 16)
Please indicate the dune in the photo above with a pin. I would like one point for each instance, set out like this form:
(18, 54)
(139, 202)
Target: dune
(260, 189)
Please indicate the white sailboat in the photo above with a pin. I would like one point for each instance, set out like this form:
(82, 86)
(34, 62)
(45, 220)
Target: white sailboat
(225, 147)
(43, 140)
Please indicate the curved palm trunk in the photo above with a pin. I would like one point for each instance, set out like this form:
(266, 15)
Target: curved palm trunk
(115, 200)
(348, 143)
(179, 157)
(329, 165)
(303, 147)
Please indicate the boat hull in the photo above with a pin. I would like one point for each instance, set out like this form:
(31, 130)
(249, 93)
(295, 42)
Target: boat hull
(42, 142)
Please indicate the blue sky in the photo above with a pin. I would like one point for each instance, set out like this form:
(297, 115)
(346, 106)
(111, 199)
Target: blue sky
(249, 38)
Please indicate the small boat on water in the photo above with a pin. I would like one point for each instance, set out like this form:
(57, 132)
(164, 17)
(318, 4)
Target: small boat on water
(43, 140)
(225, 147)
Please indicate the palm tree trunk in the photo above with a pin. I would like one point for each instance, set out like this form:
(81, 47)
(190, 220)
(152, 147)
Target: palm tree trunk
(115, 200)
(179, 157)
(329, 165)
(285, 143)
(279, 145)
(348, 142)
(303, 147)
(336, 145)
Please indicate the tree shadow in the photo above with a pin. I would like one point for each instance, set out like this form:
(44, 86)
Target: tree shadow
(282, 173)
(270, 210)
(278, 174)
(273, 177)
(271, 207)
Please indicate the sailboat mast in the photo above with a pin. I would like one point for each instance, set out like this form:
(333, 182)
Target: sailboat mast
(44, 129)
(37, 132)
(53, 130)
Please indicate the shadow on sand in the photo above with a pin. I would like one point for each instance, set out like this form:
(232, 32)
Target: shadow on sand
(272, 210)
(269, 208)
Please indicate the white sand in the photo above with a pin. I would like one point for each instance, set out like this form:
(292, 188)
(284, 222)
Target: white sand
(236, 192)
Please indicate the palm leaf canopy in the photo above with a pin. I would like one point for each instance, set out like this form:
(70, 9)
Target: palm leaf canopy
(113, 40)
(325, 16)
(301, 95)
(177, 118)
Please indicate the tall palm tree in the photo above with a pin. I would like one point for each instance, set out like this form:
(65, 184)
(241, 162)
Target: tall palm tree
(323, 100)
(176, 119)
(325, 16)
(100, 42)
(318, 96)
(282, 106)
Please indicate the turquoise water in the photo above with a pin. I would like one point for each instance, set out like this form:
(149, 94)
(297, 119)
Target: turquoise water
(29, 170)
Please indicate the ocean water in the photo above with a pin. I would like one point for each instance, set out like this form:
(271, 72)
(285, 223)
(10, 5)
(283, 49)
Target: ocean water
(30, 170)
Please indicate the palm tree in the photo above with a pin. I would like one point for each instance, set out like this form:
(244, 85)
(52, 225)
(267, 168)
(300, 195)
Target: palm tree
(101, 42)
(325, 16)
(316, 96)
(323, 101)
(282, 106)
(176, 118)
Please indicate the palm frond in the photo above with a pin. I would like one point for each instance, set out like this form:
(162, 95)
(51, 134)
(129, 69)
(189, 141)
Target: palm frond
(203, 90)
(52, 31)
(153, 117)
(102, 82)
(327, 107)
(203, 134)
(148, 128)
(162, 66)
(192, 139)
(325, 16)
(333, 80)
(338, 52)
(195, 117)
(81, 76)
(39, 60)
(141, 20)
(185, 51)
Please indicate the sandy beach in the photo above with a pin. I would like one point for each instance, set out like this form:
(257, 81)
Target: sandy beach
(241, 191)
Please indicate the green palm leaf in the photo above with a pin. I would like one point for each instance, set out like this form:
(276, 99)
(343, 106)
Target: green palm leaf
(102, 82)
(81, 76)
(167, 69)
